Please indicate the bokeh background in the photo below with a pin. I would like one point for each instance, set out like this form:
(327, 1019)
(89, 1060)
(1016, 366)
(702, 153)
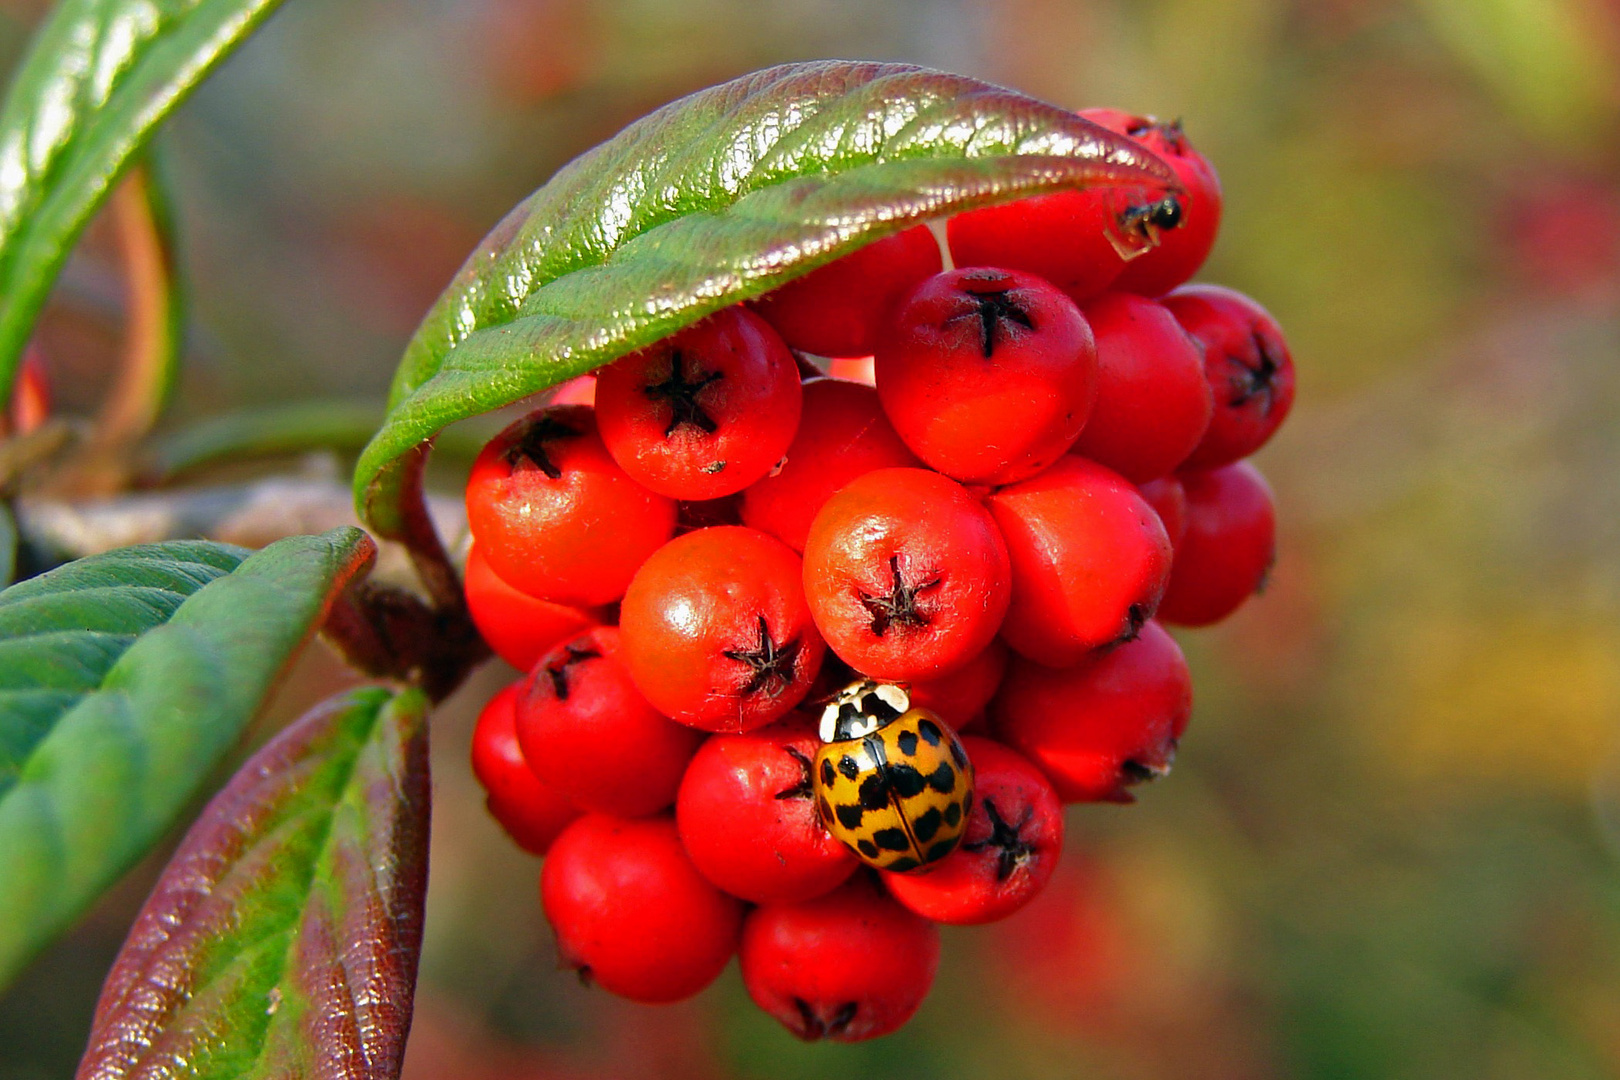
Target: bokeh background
(1391, 846)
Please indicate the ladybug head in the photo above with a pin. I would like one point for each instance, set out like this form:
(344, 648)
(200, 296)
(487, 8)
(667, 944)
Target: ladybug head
(861, 708)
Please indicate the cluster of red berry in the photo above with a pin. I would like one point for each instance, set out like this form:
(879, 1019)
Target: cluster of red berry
(721, 548)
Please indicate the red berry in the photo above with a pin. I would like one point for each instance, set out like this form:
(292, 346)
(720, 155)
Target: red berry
(519, 627)
(988, 375)
(1011, 846)
(1104, 724)
(1089, 558)
(835, 310)
(747, 815)
(854, 369)
(531, 812)
(589, 733)
(1247, 365)
(906, 574)
(1153, 402)
(703, 413)
(632, 913)
(842, 434)
(578, 391)
(1182, 249)
(1230, 545)
(847, 966)
(1077, 240)
(717, 633)
(959, 698)
(555, 516)
(1169, 500)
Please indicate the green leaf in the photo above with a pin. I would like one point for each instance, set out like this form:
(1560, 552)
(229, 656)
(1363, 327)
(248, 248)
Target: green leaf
(99, 78)
(283, 937)
(713, 199)
(124, 679)
(8, 546)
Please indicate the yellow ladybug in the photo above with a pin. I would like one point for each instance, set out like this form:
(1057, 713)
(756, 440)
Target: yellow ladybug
(892, 782)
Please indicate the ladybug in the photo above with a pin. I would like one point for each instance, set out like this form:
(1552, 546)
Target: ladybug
(892, 782)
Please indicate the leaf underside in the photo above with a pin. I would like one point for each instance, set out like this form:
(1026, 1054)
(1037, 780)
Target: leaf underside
(718, 197)
(100, 77)
(124, 679)
(283, 937)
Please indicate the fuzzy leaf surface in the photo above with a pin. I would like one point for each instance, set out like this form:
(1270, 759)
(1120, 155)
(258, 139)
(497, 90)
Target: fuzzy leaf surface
(282, 938)
(715, 198)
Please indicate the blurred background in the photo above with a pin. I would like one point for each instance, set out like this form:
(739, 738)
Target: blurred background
(1391, 846)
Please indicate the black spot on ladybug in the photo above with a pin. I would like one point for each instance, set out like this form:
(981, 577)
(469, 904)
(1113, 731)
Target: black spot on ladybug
(826, 811)
(958, 755)
(891, 839)
(902, 864)
(907, 781)
(850, 816)
(943, 779)
(953, 814)
(940, 850)
(827, 774)
(849, 767)
(927, 824)
(929, 731)
(874, 792)
(907, 741)
(869, 849)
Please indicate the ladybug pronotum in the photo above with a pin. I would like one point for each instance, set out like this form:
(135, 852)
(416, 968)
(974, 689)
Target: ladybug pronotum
(892, 782)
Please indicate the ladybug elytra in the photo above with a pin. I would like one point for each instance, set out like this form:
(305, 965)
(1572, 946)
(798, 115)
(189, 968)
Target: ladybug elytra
(892, 782)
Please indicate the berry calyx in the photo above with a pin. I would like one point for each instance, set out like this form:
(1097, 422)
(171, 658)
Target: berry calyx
(1099, 727)
(704, 413)
(588, 732)
(987, 375)
(906, 574)
(555, 516)
(847, 966)
(747, 815)
(717, 632)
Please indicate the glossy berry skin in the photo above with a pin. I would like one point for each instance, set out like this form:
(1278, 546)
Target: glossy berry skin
(1247, 365)
(836, 310)
(587, 732)
(842, 434)
(1153, 402)
(717, 633)
(531, 812)
(703, 413)
(987, 375)
(893, 783)
(1012, 843)
(632, 914)
(959, 697)
(906, 574)
(1102, 725)
(847, 966)
(747, 815)
(555, 515)
(1077, 240)
(1169, 500)
(1090, 561)
(1230, 545)
(519, 627)
(1179, 251)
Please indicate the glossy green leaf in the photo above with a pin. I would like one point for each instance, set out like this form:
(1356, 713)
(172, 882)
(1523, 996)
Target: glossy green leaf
(282, 939)
(124, 679)
(100, 76)
(715, 198)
